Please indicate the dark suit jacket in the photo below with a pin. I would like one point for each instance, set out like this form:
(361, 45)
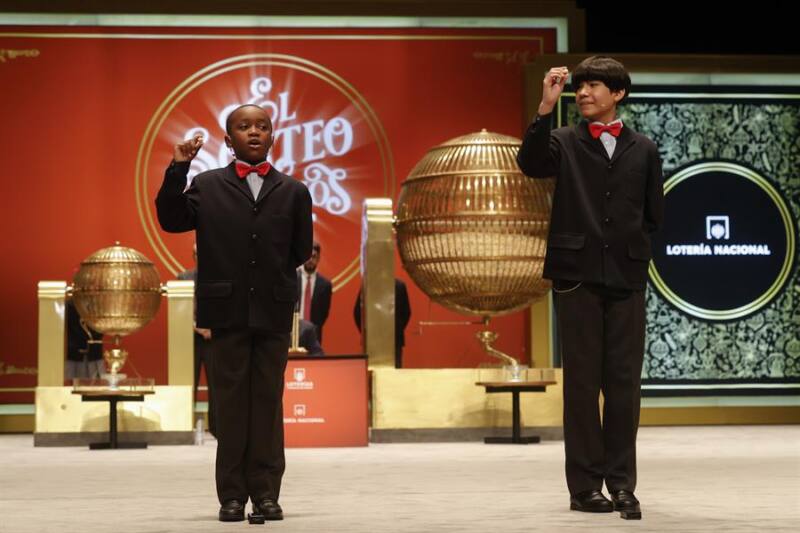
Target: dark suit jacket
(604, 210)
(320, 301)
(248, 249)
(402, 312)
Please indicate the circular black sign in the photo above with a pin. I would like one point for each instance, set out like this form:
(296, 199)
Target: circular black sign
(728, 244)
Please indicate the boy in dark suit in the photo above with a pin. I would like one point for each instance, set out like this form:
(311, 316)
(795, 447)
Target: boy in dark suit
(253, 229)
(608, 200)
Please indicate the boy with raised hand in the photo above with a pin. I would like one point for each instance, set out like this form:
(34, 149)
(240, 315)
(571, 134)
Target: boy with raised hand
(253, 229)
(607, 202)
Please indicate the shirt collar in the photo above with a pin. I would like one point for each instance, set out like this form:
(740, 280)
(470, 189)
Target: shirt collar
(610, 123)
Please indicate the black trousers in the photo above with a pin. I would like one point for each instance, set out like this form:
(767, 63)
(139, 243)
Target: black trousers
(202, 357)
(248, 372)
(601, 331)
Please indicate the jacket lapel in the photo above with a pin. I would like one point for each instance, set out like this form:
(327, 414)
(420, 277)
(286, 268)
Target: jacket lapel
(624, 142)
(582, 130)
(238, 183)
(271, 181)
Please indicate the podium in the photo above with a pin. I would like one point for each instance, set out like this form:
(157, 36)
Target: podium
(325, 401)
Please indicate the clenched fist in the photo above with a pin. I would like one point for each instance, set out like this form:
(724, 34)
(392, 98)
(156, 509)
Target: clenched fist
(186, 150)
(552, 86)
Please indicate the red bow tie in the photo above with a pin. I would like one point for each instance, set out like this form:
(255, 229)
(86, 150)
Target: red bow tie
(243, 169)
(596, 129)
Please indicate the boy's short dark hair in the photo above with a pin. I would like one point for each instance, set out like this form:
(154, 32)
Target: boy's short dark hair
(229, 118)
(605, 69)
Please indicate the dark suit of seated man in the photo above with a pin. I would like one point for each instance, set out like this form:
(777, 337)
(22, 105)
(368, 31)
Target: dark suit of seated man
(308, 339)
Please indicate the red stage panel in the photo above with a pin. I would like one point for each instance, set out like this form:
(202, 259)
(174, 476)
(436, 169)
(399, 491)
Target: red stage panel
(325, 402)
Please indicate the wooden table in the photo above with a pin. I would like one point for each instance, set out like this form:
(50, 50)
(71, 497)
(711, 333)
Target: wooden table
(113, 397)
(515, 388)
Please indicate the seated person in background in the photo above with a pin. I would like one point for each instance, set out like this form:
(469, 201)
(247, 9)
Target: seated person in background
(84, 359)
(308, 339)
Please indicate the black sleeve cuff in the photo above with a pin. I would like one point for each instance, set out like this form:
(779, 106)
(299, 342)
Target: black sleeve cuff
(180, 165)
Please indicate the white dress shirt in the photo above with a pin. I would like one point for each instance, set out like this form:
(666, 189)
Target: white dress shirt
(608, 140)
(254, 181)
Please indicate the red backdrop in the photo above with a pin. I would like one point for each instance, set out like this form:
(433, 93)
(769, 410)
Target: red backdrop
(90, 115)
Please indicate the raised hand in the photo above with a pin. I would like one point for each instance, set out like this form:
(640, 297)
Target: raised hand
(186, 150)
(552, 86)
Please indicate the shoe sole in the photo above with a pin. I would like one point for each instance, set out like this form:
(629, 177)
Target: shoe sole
(629, 514)
(231, 518)
(255, 518)
(574, 507)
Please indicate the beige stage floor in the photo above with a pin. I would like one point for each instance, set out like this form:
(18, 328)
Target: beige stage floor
(721, 479)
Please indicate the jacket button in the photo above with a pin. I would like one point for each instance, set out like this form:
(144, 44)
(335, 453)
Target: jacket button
(253, 262)
(610, 167)
(254, 236)
(607, 220)
(608, 194)
(252, 290)
(605, 247)
(255, 210)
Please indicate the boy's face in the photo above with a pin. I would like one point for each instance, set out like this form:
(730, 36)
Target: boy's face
(597, 102)
(251, 134)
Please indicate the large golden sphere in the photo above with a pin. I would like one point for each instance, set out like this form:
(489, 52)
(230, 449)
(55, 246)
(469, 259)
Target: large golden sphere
(116, 290)
(472, 229)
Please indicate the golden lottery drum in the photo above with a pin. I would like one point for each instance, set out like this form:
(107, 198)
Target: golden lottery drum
(472, 229)
(117, 290)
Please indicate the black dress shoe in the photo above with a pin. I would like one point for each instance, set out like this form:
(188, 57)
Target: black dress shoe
(590, 501)
(231, 511)
(269, 508)
(627, 505)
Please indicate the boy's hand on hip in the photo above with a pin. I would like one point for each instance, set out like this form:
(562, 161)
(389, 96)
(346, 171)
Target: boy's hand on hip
(186, 150)
(552, 86)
